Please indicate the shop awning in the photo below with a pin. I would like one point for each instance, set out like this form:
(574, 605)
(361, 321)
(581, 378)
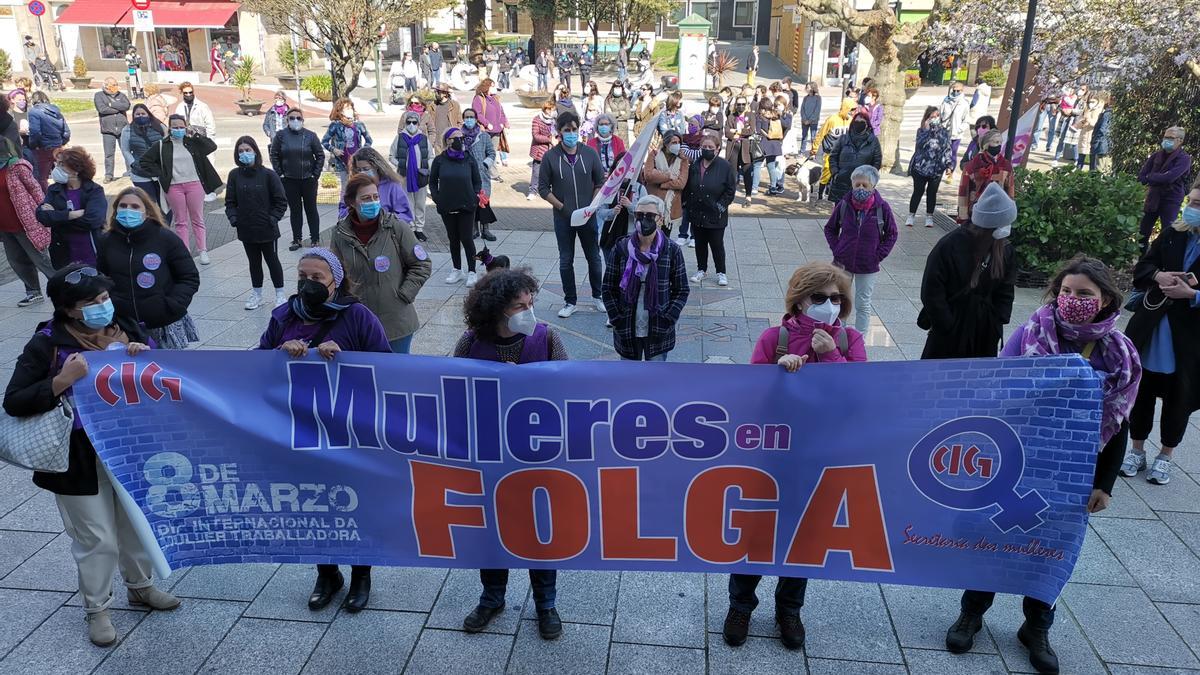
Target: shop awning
(178, 14)
(97, 13)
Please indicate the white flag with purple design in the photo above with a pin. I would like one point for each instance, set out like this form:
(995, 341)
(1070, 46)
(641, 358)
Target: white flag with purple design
(629, 164)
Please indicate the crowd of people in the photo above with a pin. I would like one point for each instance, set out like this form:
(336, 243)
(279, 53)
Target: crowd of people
(119, 278)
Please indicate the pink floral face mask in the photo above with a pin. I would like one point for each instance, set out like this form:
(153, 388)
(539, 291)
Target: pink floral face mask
(1075, 310)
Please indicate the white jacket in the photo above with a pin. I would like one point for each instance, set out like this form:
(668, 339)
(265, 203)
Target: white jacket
(980, 100)
(201, 117)
(954, 114)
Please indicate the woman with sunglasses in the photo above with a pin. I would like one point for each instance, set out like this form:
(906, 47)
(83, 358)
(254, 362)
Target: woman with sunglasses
(817, 303)
(410, 156)
(153, 274)
(297, 156)
(323, 315)
(103, 538)
(645, 111)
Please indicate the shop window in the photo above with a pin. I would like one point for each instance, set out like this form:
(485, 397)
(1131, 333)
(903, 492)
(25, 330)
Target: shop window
(173, 51)
(114, 42)
(228, 40)
(743, 13)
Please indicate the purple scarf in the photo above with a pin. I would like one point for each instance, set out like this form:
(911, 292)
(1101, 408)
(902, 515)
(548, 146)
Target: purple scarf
(412, 170)
(644, 266)
(1122, 369)
(469, 136)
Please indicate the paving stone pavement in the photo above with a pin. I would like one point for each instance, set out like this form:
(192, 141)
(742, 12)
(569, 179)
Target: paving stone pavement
(1133, 606)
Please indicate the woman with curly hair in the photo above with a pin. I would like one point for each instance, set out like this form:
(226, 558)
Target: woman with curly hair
(73, 209)
(344, 136)
(501, 327)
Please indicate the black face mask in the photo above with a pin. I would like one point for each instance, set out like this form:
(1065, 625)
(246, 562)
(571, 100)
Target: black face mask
(858, 127)
(708, 153)
(647, 223)
(994, 151)
(740, 108)
(456, 144)
(312, 293)
(189, 97)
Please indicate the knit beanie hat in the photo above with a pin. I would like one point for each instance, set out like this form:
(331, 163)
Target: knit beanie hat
(995, 211)
(330, 257)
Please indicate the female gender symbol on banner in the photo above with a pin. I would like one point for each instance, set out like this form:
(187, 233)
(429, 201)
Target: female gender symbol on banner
(938, 465)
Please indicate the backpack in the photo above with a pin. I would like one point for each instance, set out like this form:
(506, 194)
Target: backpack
(843, 343)
(878, 218)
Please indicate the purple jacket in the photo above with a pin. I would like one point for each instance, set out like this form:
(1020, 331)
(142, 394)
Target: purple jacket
(356, 329)
(853, 235)
(491, 114)
(1166, 174)
(877, 118)
(393, 198)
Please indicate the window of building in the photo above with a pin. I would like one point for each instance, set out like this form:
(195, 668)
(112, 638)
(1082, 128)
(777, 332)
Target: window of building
(114, 42)
(743, 13)
(678, 13)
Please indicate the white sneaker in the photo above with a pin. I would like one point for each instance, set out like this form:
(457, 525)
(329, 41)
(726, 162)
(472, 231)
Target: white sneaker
(210, 197)
(1134, 462)
(599, 305)
(698, 277)
(204, 258)
(1160, 471)
(454, 277)
(470, 279)
(691, 242)
(280, 297)
(566, 311)
(722, 280)
(908, 222)
(927, 219)
(528, 198)
(255, 300)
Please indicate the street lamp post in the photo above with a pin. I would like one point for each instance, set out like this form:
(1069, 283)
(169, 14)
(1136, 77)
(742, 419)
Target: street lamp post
(1018, 96)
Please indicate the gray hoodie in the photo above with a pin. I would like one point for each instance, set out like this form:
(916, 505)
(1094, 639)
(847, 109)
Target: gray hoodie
(573, 184)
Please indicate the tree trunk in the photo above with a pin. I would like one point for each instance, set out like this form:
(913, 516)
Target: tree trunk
(543, 33)
(476, 26)
(889, 79)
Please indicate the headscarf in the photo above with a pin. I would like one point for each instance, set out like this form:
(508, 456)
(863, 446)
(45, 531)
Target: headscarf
(451, 152)
(644, 266)
(1122, 369)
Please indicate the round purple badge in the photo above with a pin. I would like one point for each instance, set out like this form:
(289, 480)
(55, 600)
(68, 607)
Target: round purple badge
(420, 253)
(383, 264)
(145, 280)
(151, 261)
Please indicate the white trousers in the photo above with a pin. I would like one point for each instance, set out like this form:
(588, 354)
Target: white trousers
(416, 202)
(103, 539)
(863, 285)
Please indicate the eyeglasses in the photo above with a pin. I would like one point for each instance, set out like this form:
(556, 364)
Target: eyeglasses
(820, 298)
(78, 275)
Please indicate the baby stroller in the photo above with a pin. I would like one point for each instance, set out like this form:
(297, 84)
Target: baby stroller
(45, 76)
(396, 81)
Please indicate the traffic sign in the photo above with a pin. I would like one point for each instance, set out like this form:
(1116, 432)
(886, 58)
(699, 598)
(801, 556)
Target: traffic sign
(143, 20)
(141, 4)
(37, 8)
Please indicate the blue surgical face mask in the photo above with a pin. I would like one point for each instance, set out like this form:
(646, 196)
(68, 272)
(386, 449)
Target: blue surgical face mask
(144, 120)
(178, 134)
(1191, 216)
(130, 218)
(1168, 145)
(605, 129)
(469, 122)
(246, 158)
(98, 316)
(570, 138)
(369, 210)
(295, 125)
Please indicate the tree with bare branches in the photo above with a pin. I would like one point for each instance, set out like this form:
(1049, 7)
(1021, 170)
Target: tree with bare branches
(629, 16)
(349, 29)
(893, 45)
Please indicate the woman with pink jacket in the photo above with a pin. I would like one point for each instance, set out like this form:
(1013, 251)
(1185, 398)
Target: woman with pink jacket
(492, 119)
(25, 239)
(544, 135)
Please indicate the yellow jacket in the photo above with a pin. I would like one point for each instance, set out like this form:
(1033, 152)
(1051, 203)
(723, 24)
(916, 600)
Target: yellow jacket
(830, 132)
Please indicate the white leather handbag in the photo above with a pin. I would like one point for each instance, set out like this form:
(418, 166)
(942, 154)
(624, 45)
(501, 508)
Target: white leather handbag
(38, 442)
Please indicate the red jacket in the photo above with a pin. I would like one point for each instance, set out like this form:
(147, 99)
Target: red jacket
(26, 194)
(543, 138)
(618, 145)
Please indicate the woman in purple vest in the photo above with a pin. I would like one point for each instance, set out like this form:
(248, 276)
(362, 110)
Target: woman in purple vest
(501, 327)
(323, 315)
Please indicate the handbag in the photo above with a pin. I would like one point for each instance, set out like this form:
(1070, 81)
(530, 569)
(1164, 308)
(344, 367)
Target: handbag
(1141, 299)
(38, 442)
(756, 151)
(503, 141)
(775, 130)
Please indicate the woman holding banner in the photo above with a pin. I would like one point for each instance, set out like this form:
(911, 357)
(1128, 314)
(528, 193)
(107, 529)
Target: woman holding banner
(501, 327)
(103, 538)
(813, 329)
(1083, 305)
(323, 315)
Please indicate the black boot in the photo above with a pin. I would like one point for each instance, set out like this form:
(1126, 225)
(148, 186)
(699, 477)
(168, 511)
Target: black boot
(549, 625)
(791, 630)
(487, 234)
(480, 617)
(326, 587)
(295, 245)
(737, 627)
(360, 591)
(1035, 635)
(475, 235)
(961, 636)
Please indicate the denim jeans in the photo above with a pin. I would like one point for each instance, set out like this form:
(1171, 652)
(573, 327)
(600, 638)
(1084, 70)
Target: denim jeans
(683, 225)
(640, 347)
(401, 345)
(495, 582)
(1063, 125)
(789, 593)
(589, 238)
(543, 81)
(808, 134)
(775, 172)
(622, 73)
(863, 285)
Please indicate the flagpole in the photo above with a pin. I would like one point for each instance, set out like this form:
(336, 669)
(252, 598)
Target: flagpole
(1018, 96)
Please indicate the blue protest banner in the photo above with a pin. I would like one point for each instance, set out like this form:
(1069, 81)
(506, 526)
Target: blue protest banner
(964, 474)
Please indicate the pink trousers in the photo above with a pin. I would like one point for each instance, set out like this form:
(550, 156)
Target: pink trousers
(187, 201)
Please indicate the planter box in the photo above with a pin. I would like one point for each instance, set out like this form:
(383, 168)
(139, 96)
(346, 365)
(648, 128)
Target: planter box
(998, 92)
(249, 108)
(288, 81)
(81, 82)
(533, 99)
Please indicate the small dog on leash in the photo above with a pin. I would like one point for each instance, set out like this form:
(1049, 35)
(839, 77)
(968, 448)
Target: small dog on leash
(807, 174)
(491, 262)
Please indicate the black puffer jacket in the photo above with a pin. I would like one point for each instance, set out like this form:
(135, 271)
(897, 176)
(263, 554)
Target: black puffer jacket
(297, 154)
(154, 277)
(852, 151)
(254, 203)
